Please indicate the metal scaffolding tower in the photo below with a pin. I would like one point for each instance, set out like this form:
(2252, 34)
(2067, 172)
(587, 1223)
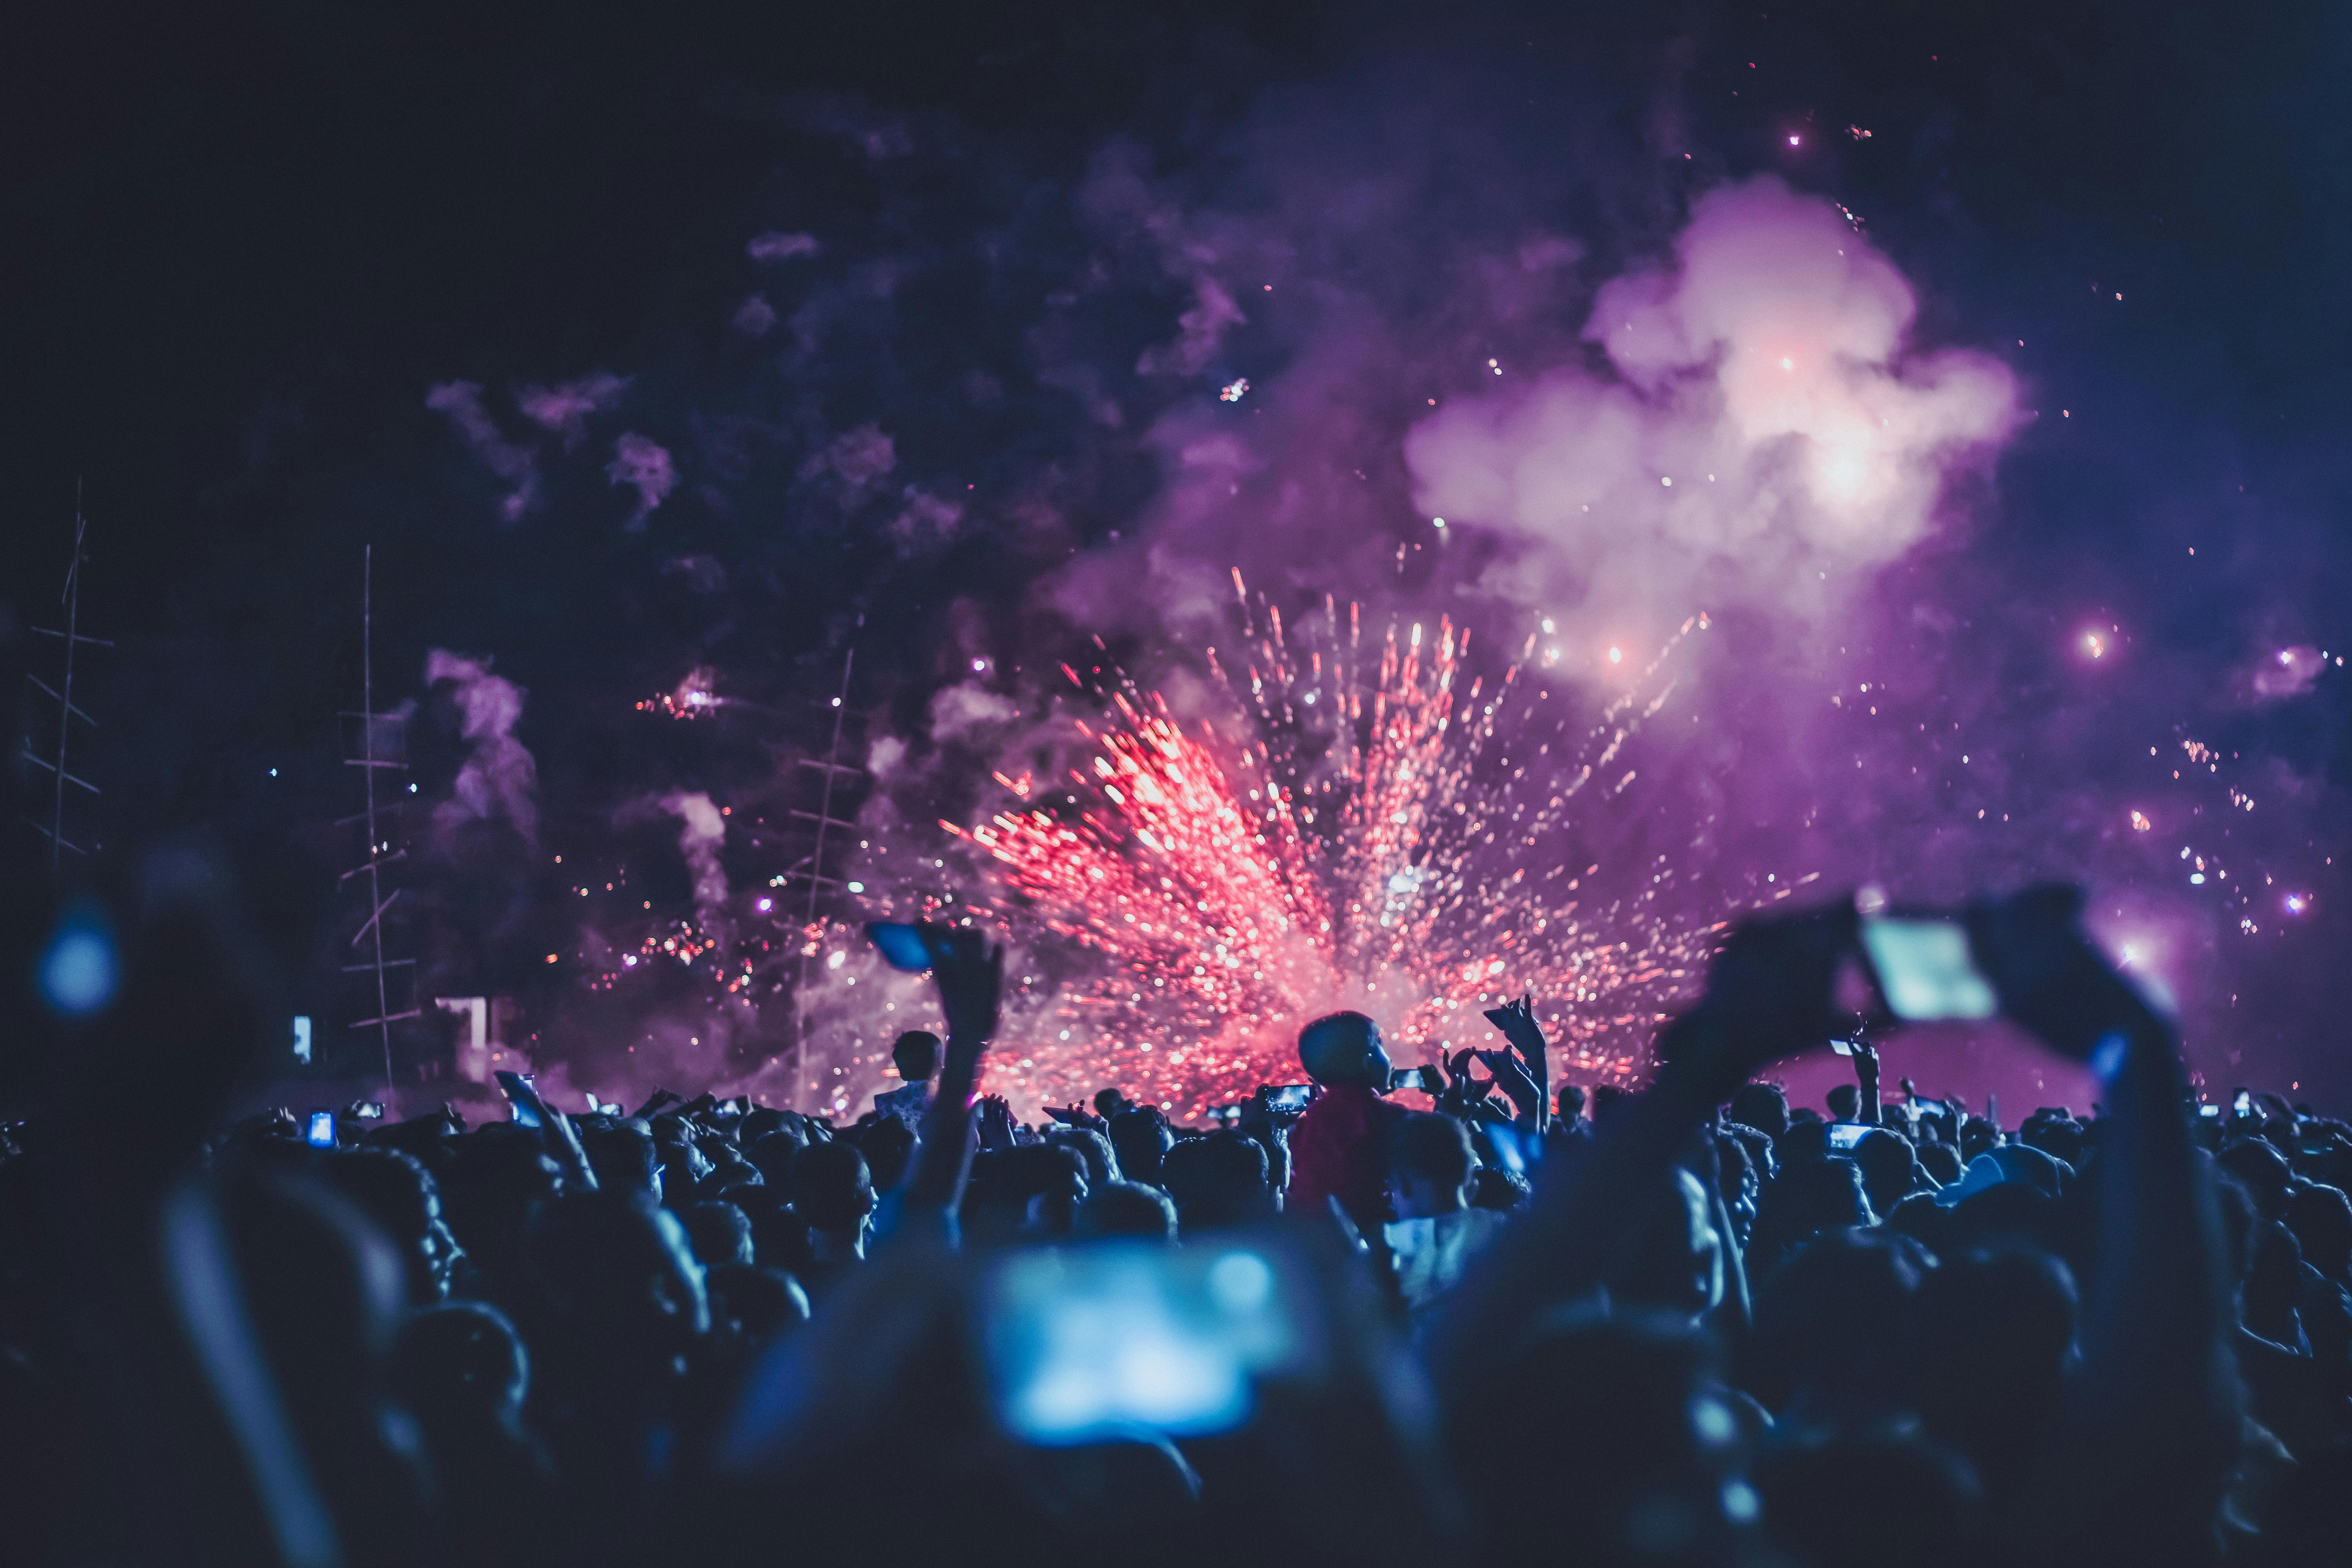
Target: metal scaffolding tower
(374, 757)
(832, 768)
(67, 710)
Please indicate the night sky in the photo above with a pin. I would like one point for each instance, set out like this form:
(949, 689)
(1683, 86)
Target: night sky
(911, 302)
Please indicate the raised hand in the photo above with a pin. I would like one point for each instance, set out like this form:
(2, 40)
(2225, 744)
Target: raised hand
(969, 970)
(2050, 979)
(1518, 1022)
(995, 1115)
(1463, 1092)
(1513, 1080)
(1770, 993)
(1865, 1073)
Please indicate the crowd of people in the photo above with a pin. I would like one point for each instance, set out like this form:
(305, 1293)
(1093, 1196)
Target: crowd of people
(1693, 1323)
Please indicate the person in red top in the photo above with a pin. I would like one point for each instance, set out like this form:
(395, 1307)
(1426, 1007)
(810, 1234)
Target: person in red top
(1340, 1147)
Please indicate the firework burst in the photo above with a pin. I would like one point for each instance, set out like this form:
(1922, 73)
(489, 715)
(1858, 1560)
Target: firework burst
(1380, 829)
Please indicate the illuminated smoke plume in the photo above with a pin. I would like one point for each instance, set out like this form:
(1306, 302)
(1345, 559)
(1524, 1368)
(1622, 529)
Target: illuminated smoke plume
(643, 465)
(1766, 432)
(461, 403)
(563, 409)
(782, 246)
(960, 711)
(701, 832)
(2290, 672)
(498, 779)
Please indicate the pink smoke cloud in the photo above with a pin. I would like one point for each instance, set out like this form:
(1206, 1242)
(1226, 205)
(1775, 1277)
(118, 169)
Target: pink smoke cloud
(564, 409)
(774, 247)
(702, 830)
(644, 465)
(499, 778)
(2289, 672)
(1200, 332)
(755, 317)
(1766, 431)
(856, 459)
(461, 403)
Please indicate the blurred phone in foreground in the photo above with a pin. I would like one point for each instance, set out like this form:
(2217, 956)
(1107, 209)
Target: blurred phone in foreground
(321, 1132)
(1845, 1135)
(1086, 1343)
(1290, 1097)
(1924, 970)
(902, 945)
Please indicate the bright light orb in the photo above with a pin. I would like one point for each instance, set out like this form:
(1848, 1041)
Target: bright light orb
(1616, 656)
(79, 973)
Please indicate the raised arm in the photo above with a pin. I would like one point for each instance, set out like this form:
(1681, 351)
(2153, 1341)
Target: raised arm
(1767, 996)
(1868, 1108)
(970, 973)
(2157, 1420)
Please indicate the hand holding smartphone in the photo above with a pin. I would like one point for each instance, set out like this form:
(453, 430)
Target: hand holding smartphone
(1925, 969)
(522, 1099)
(900, 945)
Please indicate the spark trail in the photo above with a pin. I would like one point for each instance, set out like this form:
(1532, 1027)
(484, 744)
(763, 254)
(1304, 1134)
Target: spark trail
(1382, 829)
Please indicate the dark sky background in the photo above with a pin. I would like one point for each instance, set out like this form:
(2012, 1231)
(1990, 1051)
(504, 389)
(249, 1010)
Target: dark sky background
(246, 240)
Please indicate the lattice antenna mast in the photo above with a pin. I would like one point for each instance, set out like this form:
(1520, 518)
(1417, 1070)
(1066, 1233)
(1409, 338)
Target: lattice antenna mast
(818, 880)
(379, 853)
(62, 694)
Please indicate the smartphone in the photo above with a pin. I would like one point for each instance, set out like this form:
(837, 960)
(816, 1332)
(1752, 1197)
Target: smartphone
(522, 1100)
(1845, 1135)
(1924, 970)
(1084, 1343)
(321, 1132)
(1290, 1097)
(902, 945)
(1843, 1047)
(2212, 1111)
(1062, 1114)
(369, 1110)
(1427, 1079)
(2243, 1105)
